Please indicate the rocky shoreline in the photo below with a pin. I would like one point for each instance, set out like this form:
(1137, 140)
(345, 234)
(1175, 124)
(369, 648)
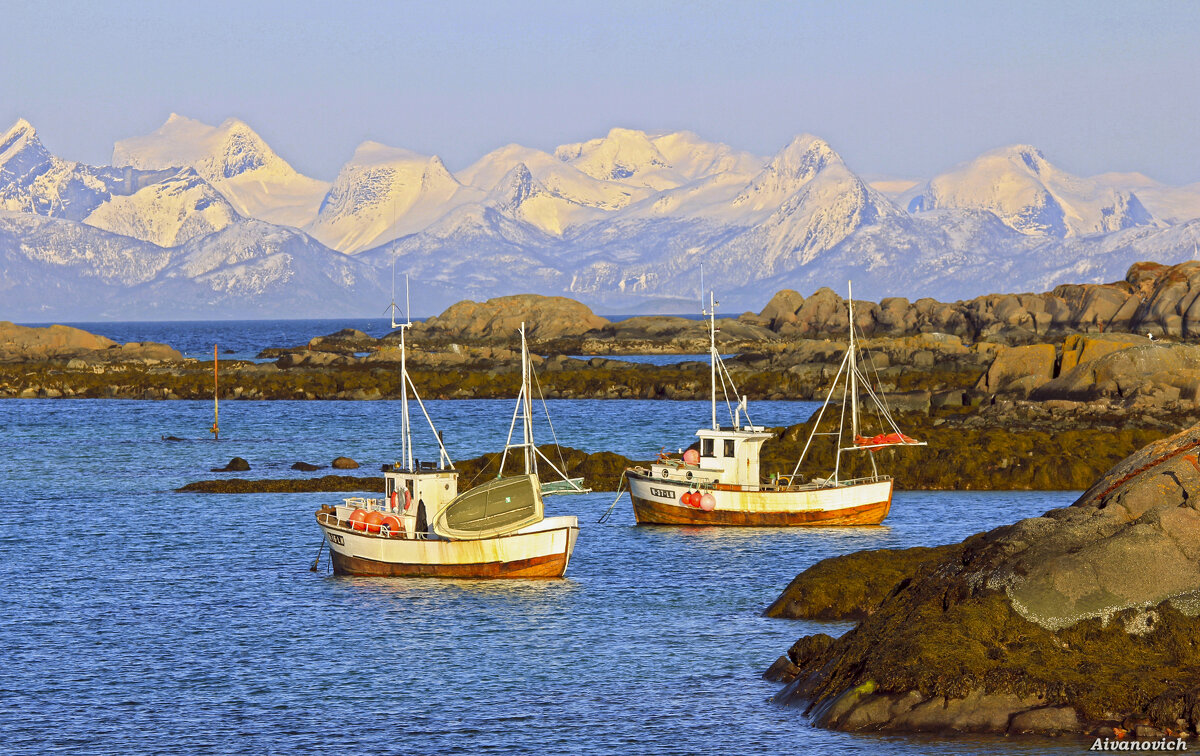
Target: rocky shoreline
(1082, 621)
(1011, 391)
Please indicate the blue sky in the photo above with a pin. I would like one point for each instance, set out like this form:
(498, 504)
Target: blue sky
(903, 89)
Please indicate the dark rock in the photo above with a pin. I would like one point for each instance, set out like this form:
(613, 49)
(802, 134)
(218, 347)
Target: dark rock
(237, 464)
(343, 463)
(781, 671)
(851, 586)
(306, 467)
(286, 485)
(1043, 625)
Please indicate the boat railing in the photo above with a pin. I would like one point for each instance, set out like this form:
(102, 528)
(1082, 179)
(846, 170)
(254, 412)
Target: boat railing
(362, 502)
(790, 485)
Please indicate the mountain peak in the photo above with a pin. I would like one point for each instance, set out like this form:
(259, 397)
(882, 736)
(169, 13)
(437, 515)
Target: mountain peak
(19, 138)
(802, 159)
(18, 129)
(1025, 154)
(1031, 195)
(625, 155)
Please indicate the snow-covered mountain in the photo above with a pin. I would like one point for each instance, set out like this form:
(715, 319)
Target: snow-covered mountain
(32, 180)
(234, 159)
(384, 193)
(167, 213)
(209, 222)
(1033, 196)
(1170, 204)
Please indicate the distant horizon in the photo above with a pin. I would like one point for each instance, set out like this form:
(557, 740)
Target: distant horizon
(899, 91)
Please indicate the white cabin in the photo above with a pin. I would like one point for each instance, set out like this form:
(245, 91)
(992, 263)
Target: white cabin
(733, 453)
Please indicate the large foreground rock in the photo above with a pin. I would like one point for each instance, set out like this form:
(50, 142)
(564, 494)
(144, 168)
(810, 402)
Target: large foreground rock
(1078, 620)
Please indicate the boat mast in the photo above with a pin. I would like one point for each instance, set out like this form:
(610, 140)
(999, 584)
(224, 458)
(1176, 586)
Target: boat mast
(853, 376)
(712, 354)
(527, 407)
(406, 451)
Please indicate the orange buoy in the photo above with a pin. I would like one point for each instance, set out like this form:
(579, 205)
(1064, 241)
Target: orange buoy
(691, 457)
(372, 520)
(356, 519)
(391, 526)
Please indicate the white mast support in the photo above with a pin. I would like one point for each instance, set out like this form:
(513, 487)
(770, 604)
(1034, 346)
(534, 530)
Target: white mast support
(406, 444)
(508, 444)
(853, 366)
(443, 456)
(837, 463)
(712, 354)
(727, 379)
(812, 434)
(554, 467)
(527, 406)
(406, 450)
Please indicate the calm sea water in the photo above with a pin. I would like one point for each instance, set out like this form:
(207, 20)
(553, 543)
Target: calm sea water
(138, 620)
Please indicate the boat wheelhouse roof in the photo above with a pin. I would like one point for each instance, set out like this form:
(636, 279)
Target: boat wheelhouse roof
(728, 431)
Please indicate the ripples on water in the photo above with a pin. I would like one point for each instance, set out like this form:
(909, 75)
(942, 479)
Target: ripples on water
(139, 620)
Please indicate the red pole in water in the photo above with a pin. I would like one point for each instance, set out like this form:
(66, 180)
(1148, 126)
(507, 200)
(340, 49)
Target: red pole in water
(216, 411)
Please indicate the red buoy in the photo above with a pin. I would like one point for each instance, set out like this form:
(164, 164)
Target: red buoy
(372, 521)
(356, 519)
(391, 526)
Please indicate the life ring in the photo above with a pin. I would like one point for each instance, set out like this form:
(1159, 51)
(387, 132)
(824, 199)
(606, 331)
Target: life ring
(394, 499)
(407, 500)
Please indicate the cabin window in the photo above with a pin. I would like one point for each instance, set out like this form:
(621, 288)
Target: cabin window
(728, 447)
(706, 447)
(391, 487)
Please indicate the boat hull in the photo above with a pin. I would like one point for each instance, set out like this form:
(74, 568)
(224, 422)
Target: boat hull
(656, 502)
(542, 550)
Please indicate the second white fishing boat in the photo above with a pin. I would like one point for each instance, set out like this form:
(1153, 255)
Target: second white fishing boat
(719, 483)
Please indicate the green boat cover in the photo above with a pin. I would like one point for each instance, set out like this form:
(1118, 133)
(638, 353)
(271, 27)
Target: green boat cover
(495, 508)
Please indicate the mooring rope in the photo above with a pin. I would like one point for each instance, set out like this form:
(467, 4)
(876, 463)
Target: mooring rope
(608, 513)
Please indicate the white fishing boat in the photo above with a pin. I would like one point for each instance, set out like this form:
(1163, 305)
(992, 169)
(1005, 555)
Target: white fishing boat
(719, 484)
(422, 527)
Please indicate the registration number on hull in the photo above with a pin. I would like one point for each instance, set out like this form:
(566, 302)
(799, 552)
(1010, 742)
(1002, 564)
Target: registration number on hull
(664, 493)
(335, 538)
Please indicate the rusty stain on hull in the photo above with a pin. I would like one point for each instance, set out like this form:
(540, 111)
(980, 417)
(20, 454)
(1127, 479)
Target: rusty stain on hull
(648, 512)
(547, 566)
